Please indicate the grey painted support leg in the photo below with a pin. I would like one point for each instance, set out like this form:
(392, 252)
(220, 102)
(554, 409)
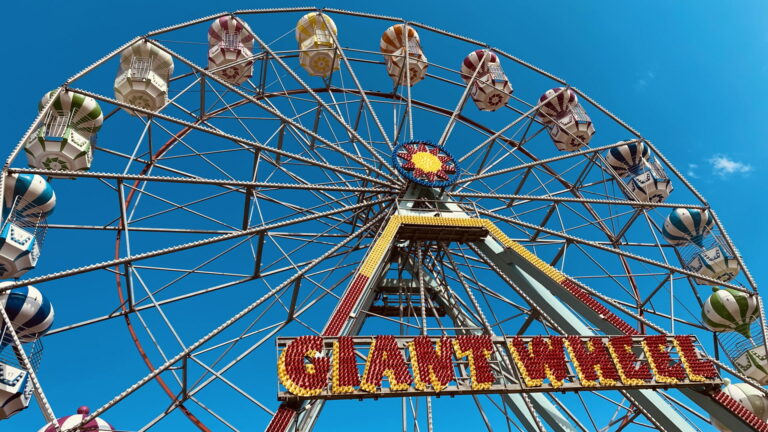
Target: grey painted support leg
(515, 402)
(521, 273)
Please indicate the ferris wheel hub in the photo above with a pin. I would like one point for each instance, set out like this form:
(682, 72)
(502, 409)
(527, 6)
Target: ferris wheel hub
(425, 163)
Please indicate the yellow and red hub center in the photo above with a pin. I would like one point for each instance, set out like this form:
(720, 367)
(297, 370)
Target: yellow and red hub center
(425, 163)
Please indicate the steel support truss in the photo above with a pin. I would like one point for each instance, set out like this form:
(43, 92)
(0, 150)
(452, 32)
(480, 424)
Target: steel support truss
(560, 301)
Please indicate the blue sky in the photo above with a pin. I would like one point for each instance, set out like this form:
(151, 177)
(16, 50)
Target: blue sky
(688, 75)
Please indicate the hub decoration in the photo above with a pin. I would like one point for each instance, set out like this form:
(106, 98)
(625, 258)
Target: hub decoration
(425, 163)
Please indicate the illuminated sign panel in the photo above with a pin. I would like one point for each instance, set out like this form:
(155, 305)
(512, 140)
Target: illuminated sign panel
(316, 367)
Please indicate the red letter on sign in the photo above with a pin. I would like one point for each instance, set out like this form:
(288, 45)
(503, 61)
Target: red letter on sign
(592, 361)
(345, 374)
(385, 359)
(301, 367)
(478, 348)
(658, 356)
(631, 369)
(430, 365)
(698, 369)
(544, 359)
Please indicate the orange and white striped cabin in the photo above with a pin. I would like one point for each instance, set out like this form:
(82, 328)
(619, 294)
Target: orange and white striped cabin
(395, 43)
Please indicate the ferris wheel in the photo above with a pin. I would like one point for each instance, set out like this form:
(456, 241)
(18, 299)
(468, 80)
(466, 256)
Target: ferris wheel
(298, 219)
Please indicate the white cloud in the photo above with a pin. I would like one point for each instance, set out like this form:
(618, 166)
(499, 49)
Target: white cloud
(643, 80)
(692, 168)
(724, 166)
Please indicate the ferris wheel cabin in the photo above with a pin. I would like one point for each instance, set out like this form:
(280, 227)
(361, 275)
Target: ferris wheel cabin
(230, 50)
(316, 34)
(31, 315)
(703, 252)
(23, 229)
(402, 51)
(63, 142)
(142, 79)
(490, 89)
(644, 176)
